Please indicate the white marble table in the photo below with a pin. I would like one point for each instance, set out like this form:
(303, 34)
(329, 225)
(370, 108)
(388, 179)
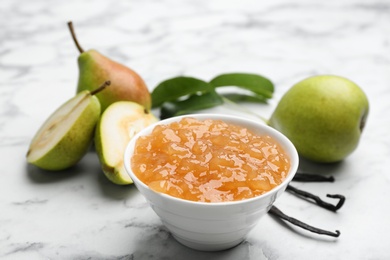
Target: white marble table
(79, 214)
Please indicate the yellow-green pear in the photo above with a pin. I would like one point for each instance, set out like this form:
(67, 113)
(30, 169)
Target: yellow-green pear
(117, 125)
(66, 135)
(126, 85)
(323, 116)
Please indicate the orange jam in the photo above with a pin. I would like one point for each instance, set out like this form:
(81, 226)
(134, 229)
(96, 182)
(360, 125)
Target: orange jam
(209, 161)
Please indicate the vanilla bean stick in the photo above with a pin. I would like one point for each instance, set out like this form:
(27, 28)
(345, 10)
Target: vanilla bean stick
(276, 212)
(318, 200)
(308, 177)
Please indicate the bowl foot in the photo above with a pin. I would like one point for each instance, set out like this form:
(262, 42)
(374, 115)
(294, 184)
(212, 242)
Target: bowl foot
(207, 246)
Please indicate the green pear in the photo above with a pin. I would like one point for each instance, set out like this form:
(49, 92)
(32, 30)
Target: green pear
(117, 125)
(126, 85)
(66, 135)
(323, 116)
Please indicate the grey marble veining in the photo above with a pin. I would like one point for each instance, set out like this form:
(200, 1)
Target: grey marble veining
(79, 214)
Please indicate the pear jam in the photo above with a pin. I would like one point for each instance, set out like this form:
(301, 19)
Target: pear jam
(209, 161)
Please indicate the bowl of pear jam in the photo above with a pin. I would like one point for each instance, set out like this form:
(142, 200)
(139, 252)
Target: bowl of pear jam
(210, 177)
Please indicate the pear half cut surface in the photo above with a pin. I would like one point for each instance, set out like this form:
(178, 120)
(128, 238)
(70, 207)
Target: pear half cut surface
(117, 126)
(66, 135)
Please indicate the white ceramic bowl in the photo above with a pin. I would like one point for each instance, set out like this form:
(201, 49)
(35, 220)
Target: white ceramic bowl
(213, 226)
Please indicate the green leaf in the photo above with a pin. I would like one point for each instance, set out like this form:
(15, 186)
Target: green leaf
(245, 98)
(175, 88)
(193, 103)
(253, 82)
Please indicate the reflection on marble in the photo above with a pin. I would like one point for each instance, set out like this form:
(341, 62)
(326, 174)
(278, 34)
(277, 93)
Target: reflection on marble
(78, 214)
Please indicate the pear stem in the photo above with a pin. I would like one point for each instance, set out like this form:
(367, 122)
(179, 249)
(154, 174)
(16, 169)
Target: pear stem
(70, 25)
(103, 86)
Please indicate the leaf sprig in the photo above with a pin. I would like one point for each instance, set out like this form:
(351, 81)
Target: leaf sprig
(182, 95)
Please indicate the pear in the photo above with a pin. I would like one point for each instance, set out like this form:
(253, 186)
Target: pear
(66, 135)
(94, 67)
(117, 125)
(323, 116)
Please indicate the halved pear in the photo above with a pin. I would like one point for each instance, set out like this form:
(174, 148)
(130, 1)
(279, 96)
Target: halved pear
(66, 135)
(117, 125)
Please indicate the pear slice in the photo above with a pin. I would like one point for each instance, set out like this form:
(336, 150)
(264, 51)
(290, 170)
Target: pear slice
(117, 125)
(66, 135)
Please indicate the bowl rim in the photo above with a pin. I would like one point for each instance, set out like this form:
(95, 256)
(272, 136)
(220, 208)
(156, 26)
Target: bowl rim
(282, 139)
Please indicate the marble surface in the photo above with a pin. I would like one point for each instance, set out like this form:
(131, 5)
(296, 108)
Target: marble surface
(79, 214)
